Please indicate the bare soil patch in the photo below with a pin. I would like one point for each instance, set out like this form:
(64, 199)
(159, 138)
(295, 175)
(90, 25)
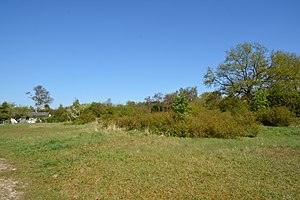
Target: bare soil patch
(7, 185)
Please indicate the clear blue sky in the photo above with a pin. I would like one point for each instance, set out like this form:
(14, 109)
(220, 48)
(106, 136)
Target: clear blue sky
(129, 49)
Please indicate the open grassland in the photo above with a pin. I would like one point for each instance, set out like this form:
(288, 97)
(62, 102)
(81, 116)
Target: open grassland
(55, 161)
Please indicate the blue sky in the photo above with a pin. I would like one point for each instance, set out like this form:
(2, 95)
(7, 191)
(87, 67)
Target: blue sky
(93, 50)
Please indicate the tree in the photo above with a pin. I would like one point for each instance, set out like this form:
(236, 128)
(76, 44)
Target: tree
(74, 110)
(60, 114)
(181, 105)
(284, 86)
(157, 105)
(4, 111)
(190, 93)
(243, 71)
(264, 79)
(169, 100)
(211, 100)
(148, 101)
(157, 97)
(285, 71)
(41, 97)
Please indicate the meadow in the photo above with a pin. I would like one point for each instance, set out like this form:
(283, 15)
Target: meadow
(56, 161)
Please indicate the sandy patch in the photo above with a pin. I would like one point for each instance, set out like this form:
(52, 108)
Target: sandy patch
(8, 186)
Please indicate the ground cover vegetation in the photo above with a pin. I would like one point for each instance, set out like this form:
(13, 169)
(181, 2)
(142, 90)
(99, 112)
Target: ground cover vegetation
(252, 86)
(57, 161)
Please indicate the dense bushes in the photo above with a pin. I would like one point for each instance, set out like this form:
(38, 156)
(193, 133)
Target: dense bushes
(276, 116)
(227, 117)
(230, 117)
(183, 114)
(207, 123)
(84, 118)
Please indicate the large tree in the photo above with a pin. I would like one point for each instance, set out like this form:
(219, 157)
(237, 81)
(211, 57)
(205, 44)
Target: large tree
(284, 72)
(251, 72)
(41, 97)
(284, 84)
(244, 70)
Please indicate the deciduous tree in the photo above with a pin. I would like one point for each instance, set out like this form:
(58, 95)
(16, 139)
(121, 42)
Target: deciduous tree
(244, 70)
(41, 97)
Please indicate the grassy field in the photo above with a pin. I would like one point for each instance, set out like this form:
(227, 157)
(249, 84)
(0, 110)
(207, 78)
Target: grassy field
(55, 161)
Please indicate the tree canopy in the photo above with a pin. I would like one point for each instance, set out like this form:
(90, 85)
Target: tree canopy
(249, 67)
(244, 69)
(41, 97)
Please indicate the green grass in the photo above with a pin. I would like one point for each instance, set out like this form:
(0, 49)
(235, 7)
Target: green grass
(56, 161)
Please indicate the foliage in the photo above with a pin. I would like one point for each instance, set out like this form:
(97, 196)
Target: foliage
(161, 103)
(85, 117)
(284, 90)
(97, 108)
(289, 99)
(244, 70)
(169, 100)
(41, 97)
(211, 100)
(263, 79)
(203, 123)
(276, 116)
(158, 122)
(181, 106)
(58, 115)
(285, 71)
(260, 100)
(21, 112)
(190, 93)
(74, 110)
(233, 105)
(5, 111)
(155, 103)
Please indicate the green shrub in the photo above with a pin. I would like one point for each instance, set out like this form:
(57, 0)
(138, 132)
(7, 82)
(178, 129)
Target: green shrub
(214, 123)
(260, 100)
(156, 122)
(204, 123)
(247, 120)
(181, 106)
(233, 105)
(84, 118)
(276, 116)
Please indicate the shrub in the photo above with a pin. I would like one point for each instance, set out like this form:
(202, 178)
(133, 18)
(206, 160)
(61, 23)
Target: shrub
(84, 118)
(181, 106)
(260, 100)
(214, 123)
(156, 122)
(276, 116)
(233, 105)
(204, 123)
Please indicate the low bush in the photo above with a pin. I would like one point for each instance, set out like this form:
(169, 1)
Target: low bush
(156, 122)
(214, 123)
(84, 118)
(276, 116)
(205, 123)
